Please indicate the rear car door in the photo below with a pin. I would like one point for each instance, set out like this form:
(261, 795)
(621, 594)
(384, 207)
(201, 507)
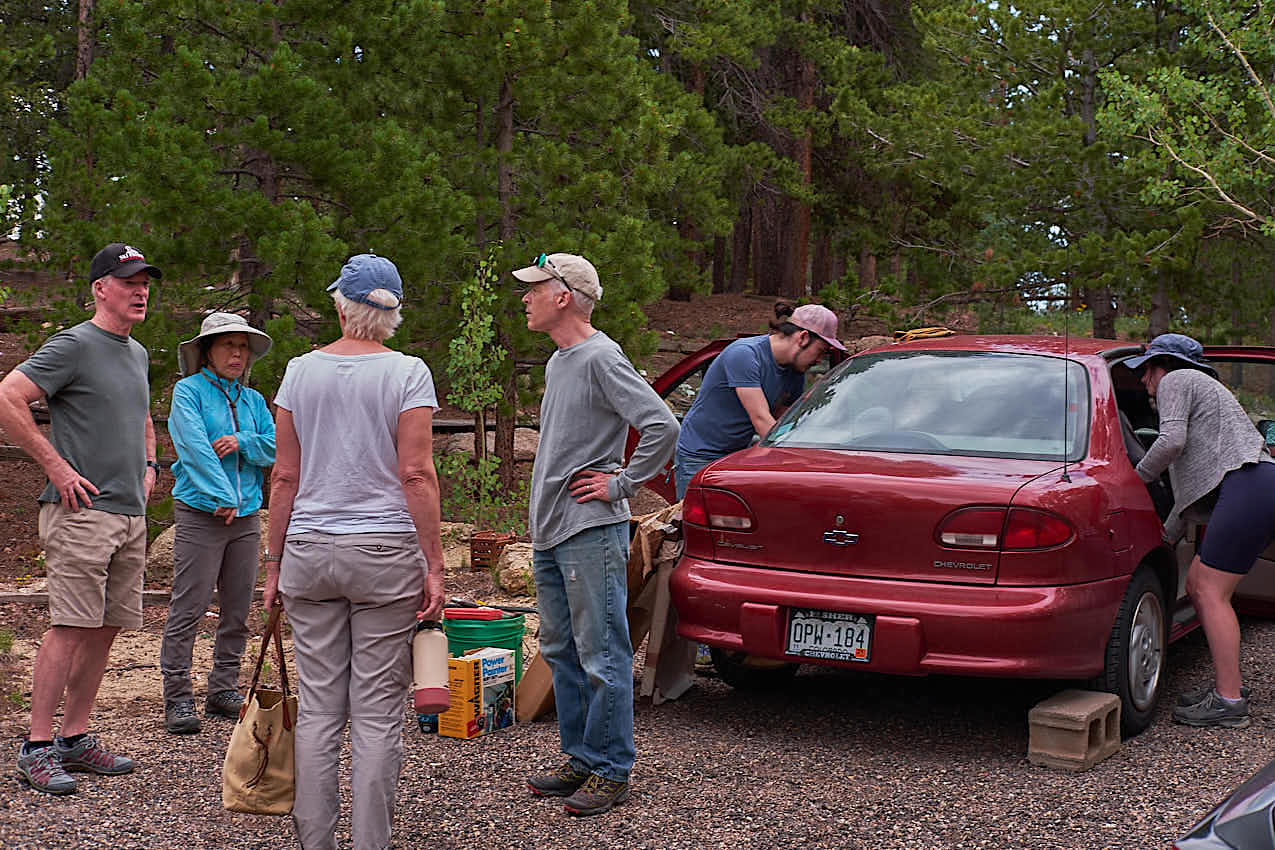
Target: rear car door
(1249, 373)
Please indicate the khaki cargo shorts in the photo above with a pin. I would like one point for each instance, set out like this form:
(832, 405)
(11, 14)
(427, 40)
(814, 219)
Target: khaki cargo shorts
(95, 562)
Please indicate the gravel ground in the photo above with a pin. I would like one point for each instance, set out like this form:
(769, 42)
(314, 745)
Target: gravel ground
(839, 760)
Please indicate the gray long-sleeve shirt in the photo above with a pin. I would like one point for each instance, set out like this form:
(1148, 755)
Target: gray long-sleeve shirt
(592, 395)
(1204, 434)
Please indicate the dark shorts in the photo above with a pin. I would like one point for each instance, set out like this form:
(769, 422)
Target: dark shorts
(1243, 522)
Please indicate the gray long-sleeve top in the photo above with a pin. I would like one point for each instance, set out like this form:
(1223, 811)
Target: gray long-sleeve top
(592, 395)
(1204, 434)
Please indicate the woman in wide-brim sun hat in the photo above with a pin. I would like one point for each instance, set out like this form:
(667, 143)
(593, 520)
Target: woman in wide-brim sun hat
(224, 437)
(1221, 475)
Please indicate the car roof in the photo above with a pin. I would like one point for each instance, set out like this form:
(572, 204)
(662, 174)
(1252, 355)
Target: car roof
(1019, 344)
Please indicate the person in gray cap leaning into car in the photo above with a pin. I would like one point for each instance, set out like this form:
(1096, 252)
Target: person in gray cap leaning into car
(750, 384)
(1222, 475)
(579, 514)
(99, 457)
(224, 437)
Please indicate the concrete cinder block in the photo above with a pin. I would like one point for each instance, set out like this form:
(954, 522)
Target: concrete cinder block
(1074, 729)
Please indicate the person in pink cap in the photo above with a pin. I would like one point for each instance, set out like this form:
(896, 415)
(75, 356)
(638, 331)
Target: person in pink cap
(749, 386)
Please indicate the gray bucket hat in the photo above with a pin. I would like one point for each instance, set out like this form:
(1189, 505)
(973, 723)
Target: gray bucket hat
(1179, 346)
(259, 342)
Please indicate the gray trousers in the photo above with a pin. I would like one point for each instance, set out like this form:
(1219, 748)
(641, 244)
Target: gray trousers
(207, 553)
(351, 600)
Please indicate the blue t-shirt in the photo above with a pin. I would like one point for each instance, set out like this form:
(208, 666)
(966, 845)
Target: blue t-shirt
(717, 423)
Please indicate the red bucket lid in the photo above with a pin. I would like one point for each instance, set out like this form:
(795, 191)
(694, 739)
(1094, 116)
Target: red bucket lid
(472, 614)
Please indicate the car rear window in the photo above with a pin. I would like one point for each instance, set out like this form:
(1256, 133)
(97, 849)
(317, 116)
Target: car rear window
(985, 404)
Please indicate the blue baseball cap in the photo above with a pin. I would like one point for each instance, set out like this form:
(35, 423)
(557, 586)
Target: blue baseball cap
(1179, 346)
(364, 273)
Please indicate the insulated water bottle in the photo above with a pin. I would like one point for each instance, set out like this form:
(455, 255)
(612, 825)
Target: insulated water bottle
(429, 668)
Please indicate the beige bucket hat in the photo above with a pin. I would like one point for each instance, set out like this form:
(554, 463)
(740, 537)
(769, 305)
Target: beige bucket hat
(259, 342)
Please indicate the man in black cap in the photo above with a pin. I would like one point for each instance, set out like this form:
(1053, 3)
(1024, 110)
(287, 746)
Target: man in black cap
(100, 461)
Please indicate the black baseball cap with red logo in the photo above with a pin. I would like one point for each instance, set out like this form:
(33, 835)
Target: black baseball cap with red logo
(120, 260)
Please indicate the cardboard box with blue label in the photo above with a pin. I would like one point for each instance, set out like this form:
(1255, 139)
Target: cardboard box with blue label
(482, 693)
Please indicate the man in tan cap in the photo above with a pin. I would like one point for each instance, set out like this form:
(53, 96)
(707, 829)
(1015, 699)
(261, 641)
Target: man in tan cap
(750, 384)
(580, 530)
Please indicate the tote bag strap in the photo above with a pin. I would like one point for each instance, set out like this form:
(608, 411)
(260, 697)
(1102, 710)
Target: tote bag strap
(273, 628)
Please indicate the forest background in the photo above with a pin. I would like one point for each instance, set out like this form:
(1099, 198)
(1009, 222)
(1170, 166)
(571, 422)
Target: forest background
(1106, 161)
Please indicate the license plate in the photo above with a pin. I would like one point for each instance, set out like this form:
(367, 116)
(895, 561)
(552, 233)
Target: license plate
(829, 634)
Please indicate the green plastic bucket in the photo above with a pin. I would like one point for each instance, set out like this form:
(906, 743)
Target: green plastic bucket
(506, 633)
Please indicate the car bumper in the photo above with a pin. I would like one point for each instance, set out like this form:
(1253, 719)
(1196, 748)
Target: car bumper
(918, 627)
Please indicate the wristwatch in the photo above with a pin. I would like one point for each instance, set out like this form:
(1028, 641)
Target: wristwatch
(155, 466)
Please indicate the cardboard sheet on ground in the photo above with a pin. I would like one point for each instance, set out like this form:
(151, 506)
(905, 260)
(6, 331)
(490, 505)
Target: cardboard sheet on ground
(669, 669)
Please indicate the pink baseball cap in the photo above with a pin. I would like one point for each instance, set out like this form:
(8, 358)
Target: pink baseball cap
(819, 320)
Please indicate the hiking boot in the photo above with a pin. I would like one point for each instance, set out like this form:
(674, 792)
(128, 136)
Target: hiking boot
(226, 703)
(560, 782)
(42, 770)
(180, 718)
(1197, 695)
(88, 757)
(1213, 711)
(596, 796)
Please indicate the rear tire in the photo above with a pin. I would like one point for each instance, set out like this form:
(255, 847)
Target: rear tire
(750, 673)
(1134, 663)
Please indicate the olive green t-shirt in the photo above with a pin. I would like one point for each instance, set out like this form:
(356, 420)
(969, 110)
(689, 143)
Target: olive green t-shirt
(99, 400)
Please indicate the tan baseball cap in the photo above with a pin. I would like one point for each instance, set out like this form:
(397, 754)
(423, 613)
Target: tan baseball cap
(572, 269)
(819, 320)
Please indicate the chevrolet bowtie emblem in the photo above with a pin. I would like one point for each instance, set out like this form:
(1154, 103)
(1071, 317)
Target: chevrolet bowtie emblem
(838, 537)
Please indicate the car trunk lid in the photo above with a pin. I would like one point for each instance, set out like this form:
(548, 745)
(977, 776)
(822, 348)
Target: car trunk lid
(863, 514)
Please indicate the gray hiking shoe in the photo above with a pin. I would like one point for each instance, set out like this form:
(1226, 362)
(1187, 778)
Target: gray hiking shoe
(42, 770)
(1196, 695)
(1213, 711)
(597, 795)
(226, 703)
(559, 782)
(88, 757)
(180, 718)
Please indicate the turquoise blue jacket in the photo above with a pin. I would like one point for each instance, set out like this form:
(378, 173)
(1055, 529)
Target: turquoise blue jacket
(201, 413)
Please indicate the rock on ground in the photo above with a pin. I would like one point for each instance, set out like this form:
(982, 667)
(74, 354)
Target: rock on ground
(513, 570)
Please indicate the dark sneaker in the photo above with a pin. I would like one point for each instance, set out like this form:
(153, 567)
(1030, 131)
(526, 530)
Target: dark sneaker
(180, 718)
(596, 796)
(1196, 695)
(42, 770)
(225, 703)
(560, 782)
(1213, 711)
(88, 757)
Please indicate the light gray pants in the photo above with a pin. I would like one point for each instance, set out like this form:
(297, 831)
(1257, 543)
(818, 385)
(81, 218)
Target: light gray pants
(351, 600)
(207, 553)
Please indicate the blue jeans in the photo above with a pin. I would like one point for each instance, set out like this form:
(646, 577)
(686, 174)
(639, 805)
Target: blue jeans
(684, 468)
(582, 594)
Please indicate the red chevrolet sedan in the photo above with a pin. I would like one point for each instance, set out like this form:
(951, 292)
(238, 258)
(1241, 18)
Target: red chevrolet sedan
(965, 505)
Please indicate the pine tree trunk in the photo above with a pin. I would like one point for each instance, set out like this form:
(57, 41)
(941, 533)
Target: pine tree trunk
(867, 269)
(1104, 312)
(507, 409)
(796, 280)
(84, 40)
(719, 264)
(741, 245)
(1158, 320)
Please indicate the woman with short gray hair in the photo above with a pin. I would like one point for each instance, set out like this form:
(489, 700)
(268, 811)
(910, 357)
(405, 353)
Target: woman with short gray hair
(354, 552)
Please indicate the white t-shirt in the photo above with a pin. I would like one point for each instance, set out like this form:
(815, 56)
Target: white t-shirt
(345, 410)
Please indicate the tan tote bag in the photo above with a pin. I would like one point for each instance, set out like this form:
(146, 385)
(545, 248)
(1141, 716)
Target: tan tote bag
(257, 776)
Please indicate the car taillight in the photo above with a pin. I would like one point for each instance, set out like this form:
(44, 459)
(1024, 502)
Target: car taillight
(990, 528)
(1031, 529)
(717, 509)
(973, 528)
